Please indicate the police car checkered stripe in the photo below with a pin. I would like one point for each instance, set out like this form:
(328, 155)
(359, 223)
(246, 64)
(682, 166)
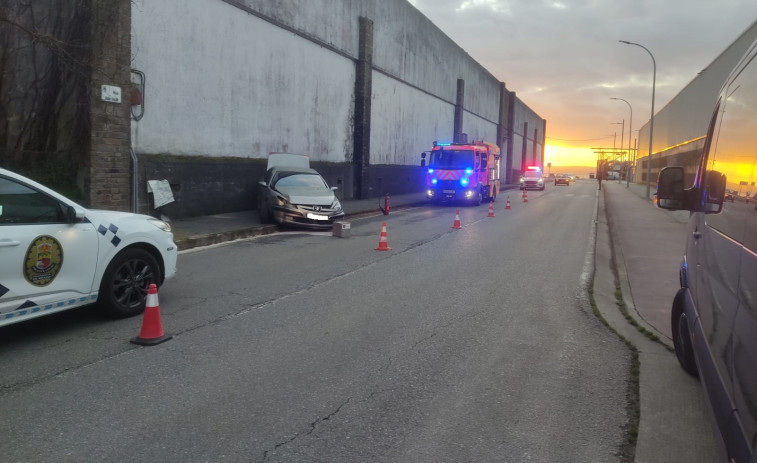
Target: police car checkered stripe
(29, 307)
(3, 290)
(103, 230)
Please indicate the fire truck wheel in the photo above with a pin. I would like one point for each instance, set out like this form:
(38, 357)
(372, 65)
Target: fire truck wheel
(479, 199)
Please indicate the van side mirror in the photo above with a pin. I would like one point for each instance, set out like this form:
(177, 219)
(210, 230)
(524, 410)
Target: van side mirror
(714, 192)
(423, 159)
(670, 193)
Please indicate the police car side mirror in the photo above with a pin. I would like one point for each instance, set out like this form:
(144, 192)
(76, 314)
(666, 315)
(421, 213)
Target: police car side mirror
(73, 214)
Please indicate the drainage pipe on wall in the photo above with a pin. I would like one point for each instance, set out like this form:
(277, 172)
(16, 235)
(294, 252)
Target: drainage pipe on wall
(134, 178)
(140, 100)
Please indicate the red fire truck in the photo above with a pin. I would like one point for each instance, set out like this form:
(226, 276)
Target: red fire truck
(462, 172)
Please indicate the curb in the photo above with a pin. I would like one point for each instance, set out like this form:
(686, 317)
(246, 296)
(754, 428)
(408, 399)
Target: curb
(217, 238)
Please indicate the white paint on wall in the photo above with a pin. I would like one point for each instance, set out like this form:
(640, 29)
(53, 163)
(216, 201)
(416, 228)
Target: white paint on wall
(405, 122)
(220, 82)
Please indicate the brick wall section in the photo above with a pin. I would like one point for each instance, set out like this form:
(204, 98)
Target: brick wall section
(110, 161)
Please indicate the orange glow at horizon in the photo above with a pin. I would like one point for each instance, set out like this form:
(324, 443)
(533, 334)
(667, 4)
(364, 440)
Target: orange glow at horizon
(560, 155)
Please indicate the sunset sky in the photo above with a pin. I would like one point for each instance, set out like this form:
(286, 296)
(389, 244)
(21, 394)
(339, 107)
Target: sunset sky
(564, 61)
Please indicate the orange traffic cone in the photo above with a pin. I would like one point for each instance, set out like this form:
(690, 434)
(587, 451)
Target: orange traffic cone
(525, 196)
(491, 209)
(383, 243)
(508, 203)
(457, 219)
(152, 328)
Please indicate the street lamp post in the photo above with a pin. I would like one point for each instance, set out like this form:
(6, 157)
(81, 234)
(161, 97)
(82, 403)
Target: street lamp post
(615, 154)
(651, 117)
(630, 125)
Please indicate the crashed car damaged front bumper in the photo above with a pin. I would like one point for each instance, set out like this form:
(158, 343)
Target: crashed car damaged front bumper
(307, 216)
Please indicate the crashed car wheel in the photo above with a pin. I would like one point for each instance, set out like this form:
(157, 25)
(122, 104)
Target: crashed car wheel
(123, 289)
(263, 213)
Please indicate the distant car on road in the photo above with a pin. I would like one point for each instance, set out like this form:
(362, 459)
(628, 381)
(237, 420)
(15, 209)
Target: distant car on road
(291, 193)
(562, 179)
(56, 255)
(729, 196)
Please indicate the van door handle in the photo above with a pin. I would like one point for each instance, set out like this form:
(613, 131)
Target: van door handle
(8, 243)
(697, 235)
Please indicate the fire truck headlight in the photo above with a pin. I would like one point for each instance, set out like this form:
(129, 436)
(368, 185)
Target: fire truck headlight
(430, 193)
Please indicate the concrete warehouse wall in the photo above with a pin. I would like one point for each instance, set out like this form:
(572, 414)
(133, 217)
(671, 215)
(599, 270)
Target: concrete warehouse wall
(681, 125)
(228, 81)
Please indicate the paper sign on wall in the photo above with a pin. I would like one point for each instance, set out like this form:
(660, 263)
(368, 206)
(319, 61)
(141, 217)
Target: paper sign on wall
(161, 192)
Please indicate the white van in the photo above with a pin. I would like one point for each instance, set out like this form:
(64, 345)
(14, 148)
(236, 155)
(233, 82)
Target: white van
(714, 314)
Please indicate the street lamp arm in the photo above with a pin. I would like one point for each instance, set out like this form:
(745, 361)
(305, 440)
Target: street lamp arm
(651, 117)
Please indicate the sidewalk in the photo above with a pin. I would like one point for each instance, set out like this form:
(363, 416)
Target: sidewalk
(645, 246)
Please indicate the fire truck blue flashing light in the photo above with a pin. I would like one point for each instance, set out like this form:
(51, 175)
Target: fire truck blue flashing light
(430, 171)
(469, 170)
(464, 181)
(433, 181)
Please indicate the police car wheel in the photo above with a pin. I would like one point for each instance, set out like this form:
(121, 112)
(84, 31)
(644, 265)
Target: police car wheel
(123, 289)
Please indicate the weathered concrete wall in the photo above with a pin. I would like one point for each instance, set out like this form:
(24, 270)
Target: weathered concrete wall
(685, 119)
(534, 147)
(220, 82)
(241, 78)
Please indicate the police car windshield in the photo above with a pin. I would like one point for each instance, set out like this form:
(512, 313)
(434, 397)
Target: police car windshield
(451, 159)
(532, 174)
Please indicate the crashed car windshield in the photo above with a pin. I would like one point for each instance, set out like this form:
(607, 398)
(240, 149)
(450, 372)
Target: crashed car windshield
(298, 179)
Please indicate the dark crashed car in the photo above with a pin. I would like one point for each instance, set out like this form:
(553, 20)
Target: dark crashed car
(293, 194)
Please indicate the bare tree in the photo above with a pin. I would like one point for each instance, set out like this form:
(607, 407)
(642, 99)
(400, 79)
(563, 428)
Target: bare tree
(45, 77)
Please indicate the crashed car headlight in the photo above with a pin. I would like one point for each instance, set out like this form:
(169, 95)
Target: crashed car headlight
(336, 205)
(283, 201)
(165, 226)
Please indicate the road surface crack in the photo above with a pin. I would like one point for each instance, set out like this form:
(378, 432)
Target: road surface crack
(310, 431)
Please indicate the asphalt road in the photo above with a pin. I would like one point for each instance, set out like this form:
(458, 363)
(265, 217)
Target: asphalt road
(475, 344)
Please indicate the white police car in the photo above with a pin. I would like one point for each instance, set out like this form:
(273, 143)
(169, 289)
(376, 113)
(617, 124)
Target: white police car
(56, 255)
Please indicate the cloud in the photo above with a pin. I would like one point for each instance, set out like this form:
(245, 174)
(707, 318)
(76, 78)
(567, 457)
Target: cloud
(492, 5)
(564, 60)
